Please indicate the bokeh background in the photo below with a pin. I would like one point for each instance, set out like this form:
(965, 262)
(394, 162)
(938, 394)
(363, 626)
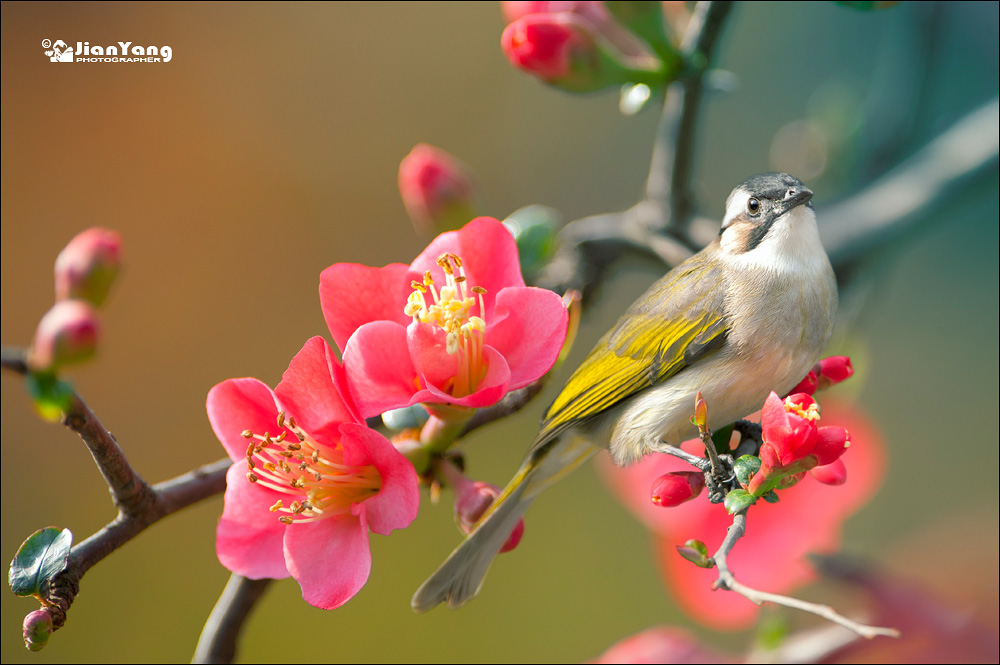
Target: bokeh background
(267, 149)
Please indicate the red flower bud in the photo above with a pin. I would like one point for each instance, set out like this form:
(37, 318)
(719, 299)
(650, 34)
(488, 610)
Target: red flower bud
(807, 385)
(834, 473)
(436, 189)
(833, 370)
(471, 502)
(674, 488)
(68, 333)
(549, 45)
(86, 267)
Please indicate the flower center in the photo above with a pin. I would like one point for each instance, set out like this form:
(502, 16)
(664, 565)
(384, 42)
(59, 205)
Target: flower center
(810, 412)
(449, 308)
(315, 477)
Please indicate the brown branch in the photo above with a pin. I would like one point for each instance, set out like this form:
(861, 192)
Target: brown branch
(727, 580)
(657, 225)
(138, 504)
(217, 643)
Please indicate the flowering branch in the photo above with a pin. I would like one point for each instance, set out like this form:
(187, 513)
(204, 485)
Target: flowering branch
(727, 580)
(589, 244)
(139, 504)
(217, 643)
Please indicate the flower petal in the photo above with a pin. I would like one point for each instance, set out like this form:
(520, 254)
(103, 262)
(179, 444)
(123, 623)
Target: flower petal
(492, 387)
(310, 389)
(528, 328)
(249, 536)
(237, 405)
(329, 558)
(380, 374)
(489, 257)
(396, 503)
(352, 295)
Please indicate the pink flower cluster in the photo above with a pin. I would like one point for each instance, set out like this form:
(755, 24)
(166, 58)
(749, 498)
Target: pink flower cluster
(455, 330)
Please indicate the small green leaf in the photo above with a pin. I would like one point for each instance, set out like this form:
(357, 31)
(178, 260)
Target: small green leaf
(52, 397)
(738, 501)
(771, 497)
(746, 467)
(43, 555)
(696, 552)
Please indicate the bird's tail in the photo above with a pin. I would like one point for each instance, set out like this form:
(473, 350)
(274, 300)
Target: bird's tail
(460, 577)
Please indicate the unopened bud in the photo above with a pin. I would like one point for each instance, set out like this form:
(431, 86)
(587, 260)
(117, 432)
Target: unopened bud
(564, 50)
(471, 503)
(67, 334)
(831, 371)
(806, 385)
(674, 488)
(87, 266)
(436, 189)
(36, 629)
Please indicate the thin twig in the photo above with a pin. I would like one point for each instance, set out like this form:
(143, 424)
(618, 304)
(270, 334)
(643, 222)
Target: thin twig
(217, 643)
(931, 178)
(727, 580)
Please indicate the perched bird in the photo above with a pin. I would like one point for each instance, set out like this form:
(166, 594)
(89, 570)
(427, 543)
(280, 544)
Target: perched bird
(748, 314)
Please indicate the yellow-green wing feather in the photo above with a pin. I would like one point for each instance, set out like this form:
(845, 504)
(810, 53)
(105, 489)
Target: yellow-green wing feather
(678, 321)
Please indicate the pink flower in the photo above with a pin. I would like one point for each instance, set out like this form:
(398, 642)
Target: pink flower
(457, 326)
(592, 13)
(770, 556)
(436, 189)
(87, 266)
(833, 370)
(309, 480)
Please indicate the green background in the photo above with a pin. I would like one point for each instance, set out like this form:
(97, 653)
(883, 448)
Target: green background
(267, 149)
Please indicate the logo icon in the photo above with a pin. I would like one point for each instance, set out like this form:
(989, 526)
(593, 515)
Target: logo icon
(60, 51)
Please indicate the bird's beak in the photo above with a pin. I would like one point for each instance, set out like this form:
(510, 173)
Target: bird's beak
(796, 196)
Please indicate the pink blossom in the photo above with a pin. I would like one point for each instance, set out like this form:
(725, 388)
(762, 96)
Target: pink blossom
(457, 326)
(309, 480)
(770, 557)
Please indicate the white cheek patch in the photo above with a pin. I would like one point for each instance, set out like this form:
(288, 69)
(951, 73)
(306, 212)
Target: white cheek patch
(736, 206)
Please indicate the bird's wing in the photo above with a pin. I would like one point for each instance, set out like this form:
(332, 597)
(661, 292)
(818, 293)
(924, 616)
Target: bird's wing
(679, 321)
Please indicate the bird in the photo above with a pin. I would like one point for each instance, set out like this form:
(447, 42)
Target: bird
(749, 314)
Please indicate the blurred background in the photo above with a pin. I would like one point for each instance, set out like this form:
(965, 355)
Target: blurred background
(268, 148)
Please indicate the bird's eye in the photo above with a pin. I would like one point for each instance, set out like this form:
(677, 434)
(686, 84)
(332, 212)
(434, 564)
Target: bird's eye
(753, 206)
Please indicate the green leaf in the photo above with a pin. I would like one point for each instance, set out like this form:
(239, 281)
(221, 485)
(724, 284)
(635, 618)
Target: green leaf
(721, 437)
(696, 552)
(746, 467)
(738, 501)
(771, 497)
(52, 397)
(43, 555)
